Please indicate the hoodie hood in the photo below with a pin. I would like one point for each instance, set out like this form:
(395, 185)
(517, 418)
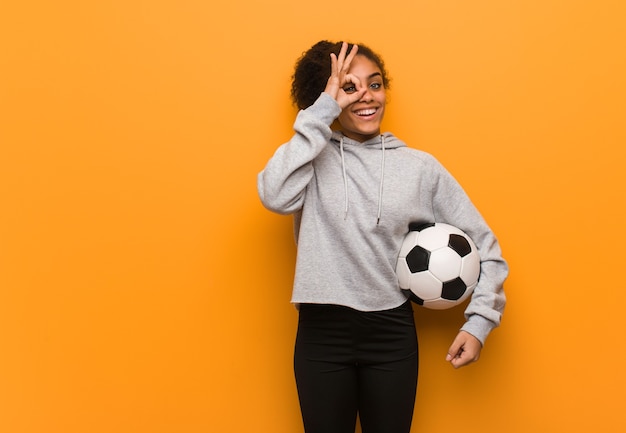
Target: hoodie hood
(383, 142)
(391, 141)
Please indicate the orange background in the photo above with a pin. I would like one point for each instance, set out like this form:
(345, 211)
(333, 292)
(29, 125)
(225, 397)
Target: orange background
(143, 288)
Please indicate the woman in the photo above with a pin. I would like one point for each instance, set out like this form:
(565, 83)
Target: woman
(353, 192)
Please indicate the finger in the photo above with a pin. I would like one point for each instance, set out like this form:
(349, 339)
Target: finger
(455, 349)
(457, 358)
(351, 78)
(454, 356)
(354, 97)
(341, 57)
(334, 70)
(358, 90)
(464, 359)
(345, 65)
(460, 361)
(353, 52)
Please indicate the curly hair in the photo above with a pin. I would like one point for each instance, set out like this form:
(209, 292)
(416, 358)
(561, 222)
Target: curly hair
(313, 69)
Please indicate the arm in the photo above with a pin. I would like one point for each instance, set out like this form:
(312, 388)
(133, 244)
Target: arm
(484, 312)
(282, 184)
(283, 181)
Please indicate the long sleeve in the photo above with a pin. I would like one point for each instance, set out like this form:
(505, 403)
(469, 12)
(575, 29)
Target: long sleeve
(283, 181)
(484, 311)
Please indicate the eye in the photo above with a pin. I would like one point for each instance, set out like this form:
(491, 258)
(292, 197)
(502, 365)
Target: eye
(349, 89)
(376, 86)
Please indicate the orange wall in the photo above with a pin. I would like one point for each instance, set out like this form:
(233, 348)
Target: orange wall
(143, 288)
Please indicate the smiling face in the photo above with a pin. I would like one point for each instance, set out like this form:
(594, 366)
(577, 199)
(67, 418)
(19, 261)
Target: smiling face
(361, 120)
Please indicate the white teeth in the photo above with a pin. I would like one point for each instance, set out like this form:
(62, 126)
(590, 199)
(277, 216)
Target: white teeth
(367, 112)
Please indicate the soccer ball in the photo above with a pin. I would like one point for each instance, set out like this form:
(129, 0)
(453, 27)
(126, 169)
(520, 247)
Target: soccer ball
(438, 265)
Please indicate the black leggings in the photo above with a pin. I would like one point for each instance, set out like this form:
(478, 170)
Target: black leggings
(348, 362)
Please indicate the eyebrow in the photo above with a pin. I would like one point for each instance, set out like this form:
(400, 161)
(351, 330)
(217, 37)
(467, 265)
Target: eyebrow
(374, 75)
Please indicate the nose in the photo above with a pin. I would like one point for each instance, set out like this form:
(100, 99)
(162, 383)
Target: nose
(367, 96)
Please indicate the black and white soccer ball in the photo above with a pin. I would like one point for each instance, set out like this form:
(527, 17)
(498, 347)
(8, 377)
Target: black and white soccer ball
(438, 265)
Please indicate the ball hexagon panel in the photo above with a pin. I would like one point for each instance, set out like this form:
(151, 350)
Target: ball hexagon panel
(445, 264)
(430, 286)
(470, 268)
(404, 274)
(433, 238)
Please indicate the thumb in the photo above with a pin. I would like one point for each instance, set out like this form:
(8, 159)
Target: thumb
(455, 349)
(344, 99)
(464, 350)
(356, 96)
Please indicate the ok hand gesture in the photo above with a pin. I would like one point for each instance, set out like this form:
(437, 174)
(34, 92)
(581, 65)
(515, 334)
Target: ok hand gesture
(345, 88)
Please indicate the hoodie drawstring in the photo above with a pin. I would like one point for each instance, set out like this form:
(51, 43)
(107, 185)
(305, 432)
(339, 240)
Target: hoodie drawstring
(380, 187)
(382, 178)
(345, 179)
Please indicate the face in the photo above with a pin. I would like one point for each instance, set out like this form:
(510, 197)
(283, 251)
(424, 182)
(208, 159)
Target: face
(361, 120)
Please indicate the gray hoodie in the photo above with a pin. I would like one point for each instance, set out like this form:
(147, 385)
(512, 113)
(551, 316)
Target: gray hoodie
(352, 204)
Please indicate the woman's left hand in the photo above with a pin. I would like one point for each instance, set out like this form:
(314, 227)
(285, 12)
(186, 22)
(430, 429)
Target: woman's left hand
(464, 350)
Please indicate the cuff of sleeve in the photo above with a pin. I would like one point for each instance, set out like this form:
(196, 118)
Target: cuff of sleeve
(326, 107)
(479, 327)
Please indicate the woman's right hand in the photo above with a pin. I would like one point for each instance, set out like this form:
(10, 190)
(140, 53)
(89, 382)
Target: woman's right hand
(341, 79)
